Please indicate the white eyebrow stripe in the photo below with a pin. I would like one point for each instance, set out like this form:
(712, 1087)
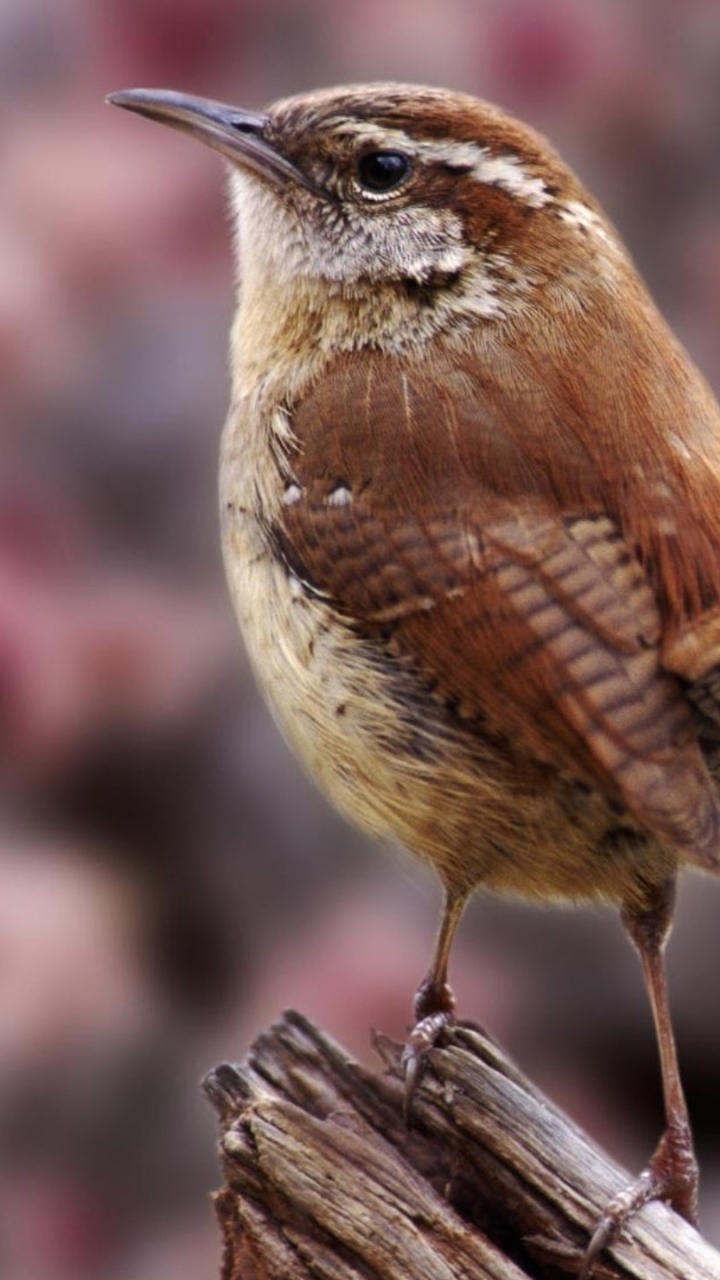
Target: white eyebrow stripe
(508, 173)
(505, 170)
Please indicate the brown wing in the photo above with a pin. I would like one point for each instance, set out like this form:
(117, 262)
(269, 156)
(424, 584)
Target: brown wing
(533, 621)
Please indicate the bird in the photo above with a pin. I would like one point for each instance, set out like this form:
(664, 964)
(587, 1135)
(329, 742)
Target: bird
(470, 510)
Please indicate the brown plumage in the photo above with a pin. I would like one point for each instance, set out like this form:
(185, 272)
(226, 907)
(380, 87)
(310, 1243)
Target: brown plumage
(470, 491)
(509, 591)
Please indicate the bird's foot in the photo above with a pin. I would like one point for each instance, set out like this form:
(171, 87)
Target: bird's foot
(434, 1012)
(671, 1176)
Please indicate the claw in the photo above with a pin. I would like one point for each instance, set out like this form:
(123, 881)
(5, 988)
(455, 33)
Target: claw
(619, 1211)
(672, 1176)
(421, 1040)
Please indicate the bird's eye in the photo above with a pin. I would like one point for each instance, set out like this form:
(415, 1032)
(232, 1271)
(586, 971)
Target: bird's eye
(381, 171)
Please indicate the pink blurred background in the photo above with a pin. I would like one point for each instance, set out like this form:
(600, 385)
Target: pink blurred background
(169, 881)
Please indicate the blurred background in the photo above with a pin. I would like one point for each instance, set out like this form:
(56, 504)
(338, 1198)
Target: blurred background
(169, 881)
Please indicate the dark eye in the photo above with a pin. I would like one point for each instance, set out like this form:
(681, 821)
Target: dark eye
(381, 171)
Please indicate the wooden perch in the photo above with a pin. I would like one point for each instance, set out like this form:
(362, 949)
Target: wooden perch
(323, 1181)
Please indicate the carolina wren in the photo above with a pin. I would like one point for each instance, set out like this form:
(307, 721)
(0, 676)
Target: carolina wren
(470, 497)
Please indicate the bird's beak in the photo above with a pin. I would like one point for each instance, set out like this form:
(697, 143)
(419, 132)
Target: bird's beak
(237, 134)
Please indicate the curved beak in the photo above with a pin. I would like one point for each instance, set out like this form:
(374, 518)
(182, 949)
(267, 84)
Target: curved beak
(237, 134)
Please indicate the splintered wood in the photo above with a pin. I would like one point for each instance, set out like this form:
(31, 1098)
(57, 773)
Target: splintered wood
(324, 1181)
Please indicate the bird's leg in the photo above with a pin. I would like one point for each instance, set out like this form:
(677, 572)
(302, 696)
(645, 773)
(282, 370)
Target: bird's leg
(672, 1174)
(434, 1004)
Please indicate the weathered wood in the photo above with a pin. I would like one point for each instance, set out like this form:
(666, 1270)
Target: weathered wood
(323, 1181)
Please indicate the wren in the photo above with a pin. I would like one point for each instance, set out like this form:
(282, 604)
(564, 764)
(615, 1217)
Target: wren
(470, 501)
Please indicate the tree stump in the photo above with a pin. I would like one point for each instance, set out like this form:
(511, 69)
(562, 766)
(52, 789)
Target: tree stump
(324, 1180)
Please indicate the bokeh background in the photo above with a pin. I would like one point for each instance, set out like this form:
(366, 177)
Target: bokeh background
(169, 880)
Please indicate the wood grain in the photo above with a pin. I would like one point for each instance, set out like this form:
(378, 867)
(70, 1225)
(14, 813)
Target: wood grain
(323, 1181)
